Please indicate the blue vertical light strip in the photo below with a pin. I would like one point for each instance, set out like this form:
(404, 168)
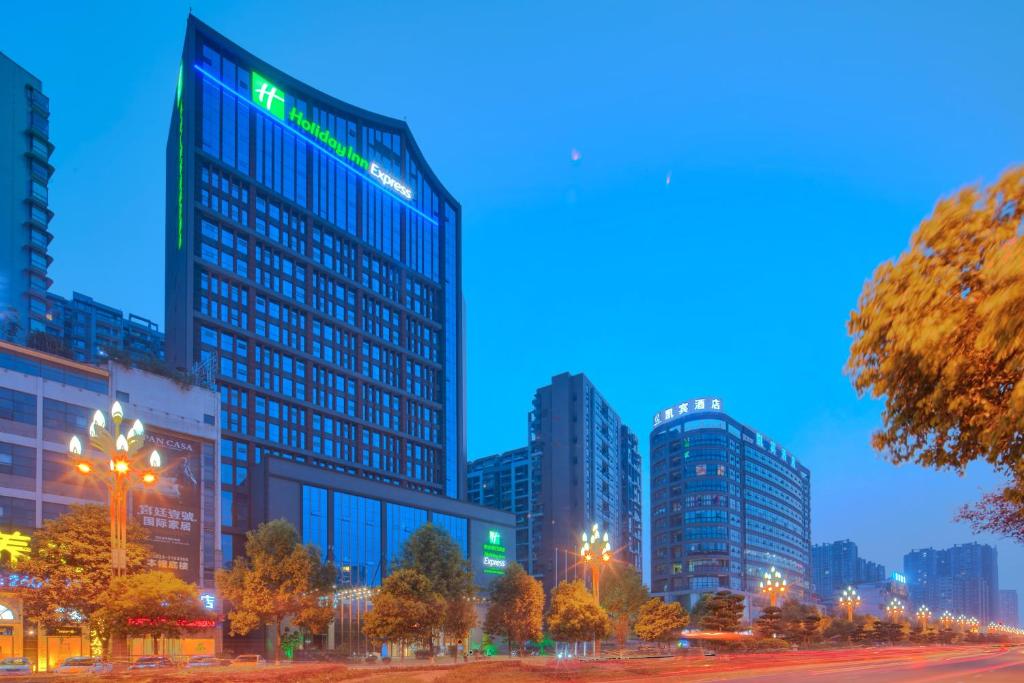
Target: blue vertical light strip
(326, 150)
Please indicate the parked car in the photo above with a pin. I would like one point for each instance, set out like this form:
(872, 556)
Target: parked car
(201, 661)
(151, 662)
(84, 665)
(248, 660)
(15, 665)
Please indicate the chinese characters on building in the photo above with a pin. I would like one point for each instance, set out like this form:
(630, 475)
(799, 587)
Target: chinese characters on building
(685, 408)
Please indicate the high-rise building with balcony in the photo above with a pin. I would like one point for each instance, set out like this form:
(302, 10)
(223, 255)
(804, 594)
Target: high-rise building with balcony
(25, 215)
(1009, 607)
(963, 579)
(90, 331)
(727, 504)
(581, 467)
(836, 565)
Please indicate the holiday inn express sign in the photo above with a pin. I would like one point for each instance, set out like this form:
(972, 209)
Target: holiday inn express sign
(270, 98)
(495, 561)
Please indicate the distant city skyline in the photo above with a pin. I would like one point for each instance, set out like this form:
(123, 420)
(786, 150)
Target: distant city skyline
(694, 212)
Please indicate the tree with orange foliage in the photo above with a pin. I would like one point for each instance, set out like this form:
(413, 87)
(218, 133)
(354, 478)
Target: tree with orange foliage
(939, 333)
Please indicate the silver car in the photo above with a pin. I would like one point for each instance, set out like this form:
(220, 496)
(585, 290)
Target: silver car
(84, 665)
(15, 665)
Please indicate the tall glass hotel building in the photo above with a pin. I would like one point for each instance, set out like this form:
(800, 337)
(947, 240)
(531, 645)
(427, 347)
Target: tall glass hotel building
(313, 265)
(727, 503)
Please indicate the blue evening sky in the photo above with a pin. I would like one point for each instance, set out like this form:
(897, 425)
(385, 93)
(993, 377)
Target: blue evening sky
(742, 170)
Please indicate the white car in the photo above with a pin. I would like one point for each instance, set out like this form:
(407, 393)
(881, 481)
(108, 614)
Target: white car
(15, 665)
(248, 660)
(84, 665)
(202, 661)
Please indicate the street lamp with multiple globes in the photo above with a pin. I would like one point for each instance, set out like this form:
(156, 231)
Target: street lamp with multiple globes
(961, 622)
(973, 625)
(120, 464)
(946, 619)
(894, 609)
(773, 585)
(596, 551)
(924, 615)
(849, 600)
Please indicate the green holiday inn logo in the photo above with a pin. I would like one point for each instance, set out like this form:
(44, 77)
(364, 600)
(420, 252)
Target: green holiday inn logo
(267, 95)
(271, 99)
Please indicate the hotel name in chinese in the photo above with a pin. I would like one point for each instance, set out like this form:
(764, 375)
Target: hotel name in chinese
(685, 408)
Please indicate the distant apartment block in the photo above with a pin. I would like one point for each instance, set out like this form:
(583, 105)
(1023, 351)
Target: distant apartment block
(581, 467)
(836, 565)
(90, 331)
(963, 579)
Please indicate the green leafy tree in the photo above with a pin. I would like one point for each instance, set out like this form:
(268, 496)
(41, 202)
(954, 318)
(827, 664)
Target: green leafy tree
(70, 558)
(800, 623)
(152, 604)
(889, 631)
(939, 333)
(723, 612)
(623, 593)
(516, 611)
(279, 579)
(432, 552)
(660, 622)
(575, 615)
(406, 610)
(769, 623)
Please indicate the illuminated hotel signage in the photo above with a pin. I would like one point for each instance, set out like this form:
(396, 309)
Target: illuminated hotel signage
(494, 554)
(270, 98)
(898, 578)
(685, 408)
(15, 544)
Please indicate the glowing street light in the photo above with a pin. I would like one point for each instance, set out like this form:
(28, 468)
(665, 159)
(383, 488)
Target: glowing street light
(773, 585)
(125, 466)
(895, 609)
(596, 551)
(849, 600)
(924, 615)
(946, 619)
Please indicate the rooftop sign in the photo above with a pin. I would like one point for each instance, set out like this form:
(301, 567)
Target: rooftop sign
(270, 98)
(686, 408)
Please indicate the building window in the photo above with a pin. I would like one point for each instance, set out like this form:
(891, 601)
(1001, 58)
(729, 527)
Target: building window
(357, 528)
(402, 523)
(314, 517)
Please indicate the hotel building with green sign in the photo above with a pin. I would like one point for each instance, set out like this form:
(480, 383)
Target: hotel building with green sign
(313, 266)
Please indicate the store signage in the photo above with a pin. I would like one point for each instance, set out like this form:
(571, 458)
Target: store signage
(494, 559)
(685, 408)
(184, 623)
(270, 98)
(15, 544)
(209, 601)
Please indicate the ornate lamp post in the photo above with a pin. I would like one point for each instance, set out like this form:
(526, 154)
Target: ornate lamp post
(773, 585)
(946, 619)
(961, 622)
(894, 609)
(596, 551)
(118, 462)
(849, 600)
(924, 615)
(973, 625)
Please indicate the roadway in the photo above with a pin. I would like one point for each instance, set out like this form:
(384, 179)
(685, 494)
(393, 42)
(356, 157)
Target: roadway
(985, 665)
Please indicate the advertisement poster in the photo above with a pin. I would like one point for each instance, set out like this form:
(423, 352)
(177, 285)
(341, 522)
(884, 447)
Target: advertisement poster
(170, 510)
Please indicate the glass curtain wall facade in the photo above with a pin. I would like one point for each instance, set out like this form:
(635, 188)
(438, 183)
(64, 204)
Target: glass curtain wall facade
(313, 263)
(727, 503)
